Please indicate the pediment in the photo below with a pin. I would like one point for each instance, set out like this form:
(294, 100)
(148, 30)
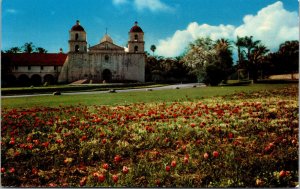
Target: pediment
(104, 46)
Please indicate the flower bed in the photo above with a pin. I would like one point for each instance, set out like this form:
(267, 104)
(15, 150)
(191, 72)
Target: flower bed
(229, 141)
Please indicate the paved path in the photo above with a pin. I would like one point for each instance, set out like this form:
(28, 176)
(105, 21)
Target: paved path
(180, 86)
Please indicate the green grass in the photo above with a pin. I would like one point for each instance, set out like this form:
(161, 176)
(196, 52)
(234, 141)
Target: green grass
(133, 97)
(74, 88)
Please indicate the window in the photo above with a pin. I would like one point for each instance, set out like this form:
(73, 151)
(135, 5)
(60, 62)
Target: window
(77, 48)
(29, 67)
(136, 49)
(42, 67)
(76, 36)
(106, 58)
(55, 68)
(136, 37)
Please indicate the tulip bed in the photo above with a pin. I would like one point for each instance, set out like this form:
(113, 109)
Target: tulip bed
(239, 140)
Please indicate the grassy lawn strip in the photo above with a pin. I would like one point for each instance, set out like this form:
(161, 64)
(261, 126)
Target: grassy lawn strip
(74, 88)
(134, 97)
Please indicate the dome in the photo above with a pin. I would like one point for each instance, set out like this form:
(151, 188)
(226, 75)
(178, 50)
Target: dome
(106, 38)
(77, 27)
(136, 28)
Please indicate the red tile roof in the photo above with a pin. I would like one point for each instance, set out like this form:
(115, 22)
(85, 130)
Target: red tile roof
(77, 28)
(136, 28)
(34, 59)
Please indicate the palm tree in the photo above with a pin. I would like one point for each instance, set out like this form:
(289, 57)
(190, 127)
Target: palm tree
(153, 48)
(14, 50)
(249, 44)
(40, 50)
(223, 44)
(258, 55)
(224, 53)
(28, 47)
(240, 44)
(289, 52)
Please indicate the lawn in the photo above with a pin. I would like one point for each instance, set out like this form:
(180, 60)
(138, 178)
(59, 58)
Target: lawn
(133, 97)
(200, 137)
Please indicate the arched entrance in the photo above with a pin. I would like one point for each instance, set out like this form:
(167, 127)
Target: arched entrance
(36, 80)
(106, 75)
(49, 79)
(9, 80)
(23, 80)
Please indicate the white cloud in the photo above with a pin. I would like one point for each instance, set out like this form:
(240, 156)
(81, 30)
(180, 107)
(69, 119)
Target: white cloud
(152, 5)
(272, 25)
(178, 42)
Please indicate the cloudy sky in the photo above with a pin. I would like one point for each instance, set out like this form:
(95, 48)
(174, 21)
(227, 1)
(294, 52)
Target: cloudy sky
(168, 24)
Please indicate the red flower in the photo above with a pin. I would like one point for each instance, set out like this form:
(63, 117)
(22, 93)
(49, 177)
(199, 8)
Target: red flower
(105, 166)
(282, 173)
(205, 155)
(115, 178)
(173, 163)
(83, 181)
(101, 178)
(59, 141)
(125, 170)
(117, 158)
(45, 144)
(12, 170)
(186, 160)
(34, 171)
(216, 154)
(168, 168)
(230, 135)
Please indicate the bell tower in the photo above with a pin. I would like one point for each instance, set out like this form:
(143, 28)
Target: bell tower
(77, 40)
(136, 41)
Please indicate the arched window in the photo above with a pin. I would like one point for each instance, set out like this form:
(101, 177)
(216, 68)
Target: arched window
(76, 36)
(136, 49)
(136, 37)
(76, 48)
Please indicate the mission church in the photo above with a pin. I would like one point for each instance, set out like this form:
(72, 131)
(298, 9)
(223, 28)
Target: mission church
(105, 61)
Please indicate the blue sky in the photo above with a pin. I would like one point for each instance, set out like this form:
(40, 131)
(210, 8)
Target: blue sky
(169, 24)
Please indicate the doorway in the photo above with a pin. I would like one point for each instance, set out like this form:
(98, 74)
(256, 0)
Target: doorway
(106, 75)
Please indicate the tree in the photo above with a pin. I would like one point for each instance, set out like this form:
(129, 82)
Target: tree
(199, 54)
(289, 54)
(258, 55)
(153, 48)
(246, 46)
(28, 47)
(240, 44)
(40, 50)
(209, 60)
(14, 50)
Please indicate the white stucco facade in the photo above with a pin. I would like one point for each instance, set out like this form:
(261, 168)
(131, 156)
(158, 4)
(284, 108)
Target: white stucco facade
(106, 60)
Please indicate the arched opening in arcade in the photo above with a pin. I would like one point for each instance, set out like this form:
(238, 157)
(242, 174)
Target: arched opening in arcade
(9, 80)
(23, 80)
(36, 80)
(49, 79)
